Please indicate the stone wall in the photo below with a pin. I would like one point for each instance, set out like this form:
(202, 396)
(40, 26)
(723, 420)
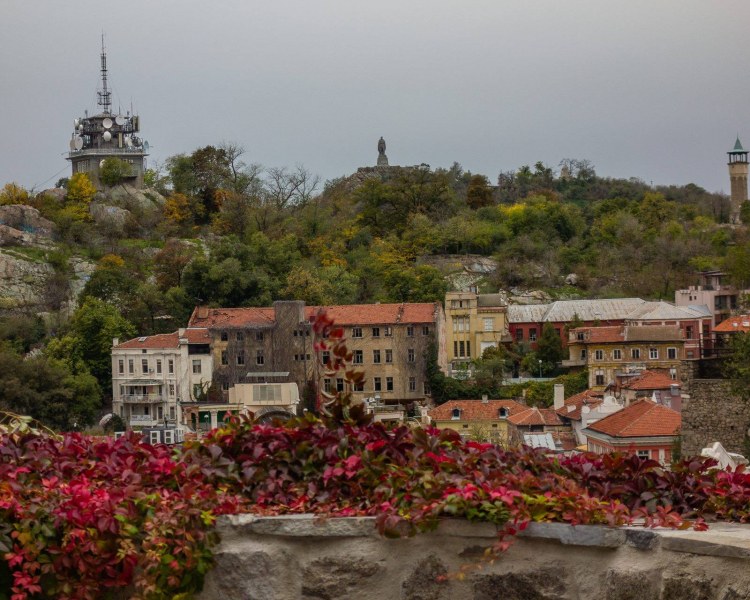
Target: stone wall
(300, 557)
(711, 413)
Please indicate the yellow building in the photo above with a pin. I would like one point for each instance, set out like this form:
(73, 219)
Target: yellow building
(609, 351)
(480, 420)
(473, 323)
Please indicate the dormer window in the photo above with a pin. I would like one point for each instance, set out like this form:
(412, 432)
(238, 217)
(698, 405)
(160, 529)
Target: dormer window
(456, 414)
(503, 413)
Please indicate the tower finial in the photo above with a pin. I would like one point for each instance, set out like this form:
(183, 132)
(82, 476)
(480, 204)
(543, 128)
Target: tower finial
(105, 95)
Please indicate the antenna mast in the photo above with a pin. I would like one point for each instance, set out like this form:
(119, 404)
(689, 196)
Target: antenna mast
(105, 94)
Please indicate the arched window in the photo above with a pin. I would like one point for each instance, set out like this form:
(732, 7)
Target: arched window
(456, 414)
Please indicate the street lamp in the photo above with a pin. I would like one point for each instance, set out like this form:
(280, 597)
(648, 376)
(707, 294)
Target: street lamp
(540, 368)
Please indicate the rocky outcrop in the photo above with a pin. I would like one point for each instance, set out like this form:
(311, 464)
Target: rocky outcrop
(24, 282)
(302, 556)
(26, 219)
(132, 198)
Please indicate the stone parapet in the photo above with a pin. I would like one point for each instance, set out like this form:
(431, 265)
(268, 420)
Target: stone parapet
(306, 557)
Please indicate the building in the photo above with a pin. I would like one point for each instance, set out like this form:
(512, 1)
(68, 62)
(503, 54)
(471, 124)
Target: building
(607, 352)
(107, 134)
(580, 410)
(656, 385)
(540, 428)
(645, 428)
(389, 342)
(481, 420)
(738, 179)
(711, 291)
(473, 323)
(153, 376)
(525, 322)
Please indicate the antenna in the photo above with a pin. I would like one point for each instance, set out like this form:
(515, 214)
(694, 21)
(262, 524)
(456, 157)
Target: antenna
(105, 94)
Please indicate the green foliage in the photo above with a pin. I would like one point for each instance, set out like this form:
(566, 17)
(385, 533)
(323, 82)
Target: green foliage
(549, 348)
(21, 332)
(737, 366)
(114, 171)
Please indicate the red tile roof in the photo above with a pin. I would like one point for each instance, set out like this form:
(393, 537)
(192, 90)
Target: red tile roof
(573, 405)
(614, 334)
(475, 410)
(650, 380)
(535, 416)
(194, 335)
(346, 314)
(734, 324)
(641, 419)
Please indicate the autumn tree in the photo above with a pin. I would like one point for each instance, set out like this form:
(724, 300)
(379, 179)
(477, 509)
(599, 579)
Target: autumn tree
(12, 193)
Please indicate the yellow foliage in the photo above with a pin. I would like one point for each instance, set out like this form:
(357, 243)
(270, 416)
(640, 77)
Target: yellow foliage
(112, 262)
(80, 190)
(177, 209)
(329, 252)
(12, 193)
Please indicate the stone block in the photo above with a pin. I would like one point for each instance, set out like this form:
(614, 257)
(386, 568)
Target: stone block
(683, 586)
(542, 584)
(579, 535)
(632, 585)
(332, 578)
(423, 582)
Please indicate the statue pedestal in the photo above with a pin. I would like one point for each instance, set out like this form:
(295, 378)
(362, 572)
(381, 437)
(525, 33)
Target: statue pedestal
(382, 160)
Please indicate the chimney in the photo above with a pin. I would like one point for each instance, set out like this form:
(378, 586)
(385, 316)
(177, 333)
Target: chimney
(485, 399)
(559, 396)
(115, 342)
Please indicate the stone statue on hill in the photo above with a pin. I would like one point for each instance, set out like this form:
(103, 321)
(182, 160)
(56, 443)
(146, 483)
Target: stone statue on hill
(382, 158)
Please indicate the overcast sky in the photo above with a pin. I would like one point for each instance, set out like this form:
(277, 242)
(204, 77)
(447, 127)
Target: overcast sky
(649, 89)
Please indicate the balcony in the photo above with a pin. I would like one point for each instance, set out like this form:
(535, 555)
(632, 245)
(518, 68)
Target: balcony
(143, 398)
(574, 362)
(144, 421)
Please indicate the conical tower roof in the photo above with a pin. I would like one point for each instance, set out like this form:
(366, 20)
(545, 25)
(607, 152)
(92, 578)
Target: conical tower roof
(738, 146)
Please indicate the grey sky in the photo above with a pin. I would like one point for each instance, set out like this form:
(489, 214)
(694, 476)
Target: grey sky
(650, 89)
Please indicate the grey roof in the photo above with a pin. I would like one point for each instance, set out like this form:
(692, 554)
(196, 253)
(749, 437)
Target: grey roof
(527, 313)
(738, 146)
(491, 300)
(539, 440)
(666, 311)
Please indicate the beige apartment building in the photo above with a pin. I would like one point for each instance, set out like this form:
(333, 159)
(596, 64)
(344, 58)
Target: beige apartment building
(473, 323)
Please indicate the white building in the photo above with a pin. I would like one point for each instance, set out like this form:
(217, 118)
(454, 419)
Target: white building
(153, 375)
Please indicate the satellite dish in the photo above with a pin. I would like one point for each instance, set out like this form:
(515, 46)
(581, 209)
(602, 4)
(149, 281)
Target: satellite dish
(80, 127)
(78, 142)
(136, 141)
(106, 419)
(72, 145)
(76, 122)
(101, 163)
(107, 136)
(120, 120)
(107, 122)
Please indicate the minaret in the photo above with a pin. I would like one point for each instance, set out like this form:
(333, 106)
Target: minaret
(107, 135)
(738, 178)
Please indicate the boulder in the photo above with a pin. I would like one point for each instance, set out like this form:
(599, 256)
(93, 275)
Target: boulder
(25, 218)
(110, 217)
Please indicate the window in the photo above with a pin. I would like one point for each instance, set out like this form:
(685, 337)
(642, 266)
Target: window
(672, 353)
(412, 384)
(240, 336)
(158, 366)
(224, 360)
(425, 330)
(532, 334)
(689, 332)
(376, 356)
(635, 353)
(599, 377)
(617, 354)
(144, 365)
(389, 356)
(644, 453)
(356, 332)
(121, 366)
(410, 330)
(580, 336)
(388, 331)
(519, 335)
(558, 332)
(327, 385)
(456, 414)
(359, 386)
(197, 366)
(502, 413)
(325, 356)
(225, 386)
(170, 366)
(171, 389)
(653, 353)
(172, 413)
(598, 354)
(258, 336)
(411, 355)
(426, 388)
(357, 357)
(339, 385)
(461, 349)
(583, 354)
(224, 336)
(259, 358)
(389, 384)
(240, 357)
(489, 323)
(377, 384)
(376, 332)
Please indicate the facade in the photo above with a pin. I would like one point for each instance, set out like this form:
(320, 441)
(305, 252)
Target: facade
(721, 299)
(656, 385)
(531, 426)
(481, 420)
(738, 168)
(607, 352)
(107, 135)
(580, 410)
(473, 323)
(645, 428)
(526, 321)
(153, 376)
(389, 342)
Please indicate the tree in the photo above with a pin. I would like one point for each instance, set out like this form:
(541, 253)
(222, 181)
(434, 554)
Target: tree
(737, 366)
(12, 193)
(170, 263)
(80, 190)
(479, 192)
(549, 348)
(114, 171)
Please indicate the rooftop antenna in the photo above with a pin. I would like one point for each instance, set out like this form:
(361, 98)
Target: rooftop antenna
(105, 94)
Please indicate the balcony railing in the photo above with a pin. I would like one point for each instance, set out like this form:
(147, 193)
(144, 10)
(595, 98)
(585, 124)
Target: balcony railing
(143, 398)
(574, 362)
(143, 420)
